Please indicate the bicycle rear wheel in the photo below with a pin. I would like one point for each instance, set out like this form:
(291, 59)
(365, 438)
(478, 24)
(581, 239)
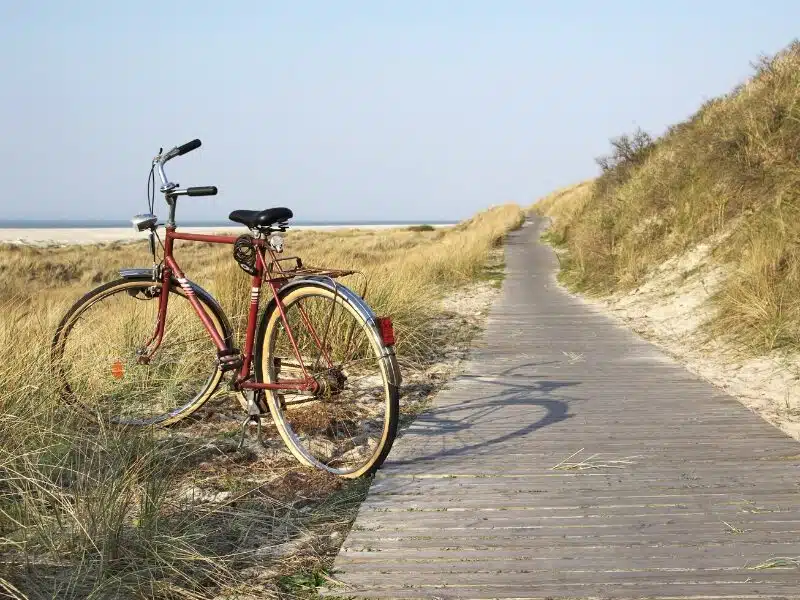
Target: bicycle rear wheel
(95, 359)
(348, 426)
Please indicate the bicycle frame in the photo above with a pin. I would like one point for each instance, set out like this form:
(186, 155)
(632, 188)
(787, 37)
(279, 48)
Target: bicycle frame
(171, 268)
(228, 357)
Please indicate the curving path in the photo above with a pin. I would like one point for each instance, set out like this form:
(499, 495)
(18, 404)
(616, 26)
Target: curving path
(689, 493)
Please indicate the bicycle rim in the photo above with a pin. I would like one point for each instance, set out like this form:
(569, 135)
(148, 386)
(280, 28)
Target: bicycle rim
(347, 428)
(96, 356)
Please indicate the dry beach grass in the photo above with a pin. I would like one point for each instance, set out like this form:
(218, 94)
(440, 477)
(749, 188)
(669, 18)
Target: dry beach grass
(94, 512)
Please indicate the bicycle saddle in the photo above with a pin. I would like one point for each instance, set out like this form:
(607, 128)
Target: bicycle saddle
(261, 218)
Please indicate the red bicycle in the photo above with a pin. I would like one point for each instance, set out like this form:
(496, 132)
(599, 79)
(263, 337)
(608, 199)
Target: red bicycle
(151, 347)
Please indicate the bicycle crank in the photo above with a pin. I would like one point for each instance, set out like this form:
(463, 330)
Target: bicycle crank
(254, 415)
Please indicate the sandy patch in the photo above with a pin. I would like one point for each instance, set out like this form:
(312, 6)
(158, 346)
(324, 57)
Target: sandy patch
(99, 235)
(670, 306)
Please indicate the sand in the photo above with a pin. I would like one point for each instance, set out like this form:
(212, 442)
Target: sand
(669, 309)
(70, 236)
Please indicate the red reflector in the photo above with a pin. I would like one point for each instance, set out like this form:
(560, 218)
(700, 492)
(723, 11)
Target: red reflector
(117, 370)
(387, 330)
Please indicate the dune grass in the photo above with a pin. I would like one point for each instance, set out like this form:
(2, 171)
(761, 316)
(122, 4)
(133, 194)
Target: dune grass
(95, 512)
(729, 174)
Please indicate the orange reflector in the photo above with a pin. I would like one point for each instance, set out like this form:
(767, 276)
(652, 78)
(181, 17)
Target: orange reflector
(117, 370)
(387, 330)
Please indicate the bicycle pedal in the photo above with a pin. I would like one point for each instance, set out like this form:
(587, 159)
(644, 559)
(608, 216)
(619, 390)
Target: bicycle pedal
(230, 359)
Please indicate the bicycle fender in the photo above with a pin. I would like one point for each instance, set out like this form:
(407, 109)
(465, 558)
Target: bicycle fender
(205, 296)
(355, 301)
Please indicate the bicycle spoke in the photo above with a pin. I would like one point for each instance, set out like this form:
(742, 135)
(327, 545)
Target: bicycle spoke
(349, 339)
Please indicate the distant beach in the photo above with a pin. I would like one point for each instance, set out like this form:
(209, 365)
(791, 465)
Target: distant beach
(46, 233)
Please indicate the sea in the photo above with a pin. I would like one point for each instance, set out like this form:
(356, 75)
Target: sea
(108, 224)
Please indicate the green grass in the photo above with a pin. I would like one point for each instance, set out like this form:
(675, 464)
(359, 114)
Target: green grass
(304, 584)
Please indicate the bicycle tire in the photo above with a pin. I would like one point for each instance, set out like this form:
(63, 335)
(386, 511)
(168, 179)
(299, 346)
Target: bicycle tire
(132, 286)
(265, 370)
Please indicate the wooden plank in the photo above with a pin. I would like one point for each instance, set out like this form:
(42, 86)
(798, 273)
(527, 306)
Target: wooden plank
(592, 583)
(701, 591)
(399, 545)
(475, 552)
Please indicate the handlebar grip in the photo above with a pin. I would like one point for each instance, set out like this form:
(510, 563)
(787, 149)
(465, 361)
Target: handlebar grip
(188, 147)
(203, 190)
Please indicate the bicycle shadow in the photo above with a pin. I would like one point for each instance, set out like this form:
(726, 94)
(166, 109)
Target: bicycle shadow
(450, 423)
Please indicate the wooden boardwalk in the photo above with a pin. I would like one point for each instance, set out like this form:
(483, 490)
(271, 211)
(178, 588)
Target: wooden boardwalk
(689, 494)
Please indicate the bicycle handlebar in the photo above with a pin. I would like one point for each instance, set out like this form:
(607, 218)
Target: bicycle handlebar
(188, 147)
(161, 159)
(180, 150)
(203, 190)
(170, 189)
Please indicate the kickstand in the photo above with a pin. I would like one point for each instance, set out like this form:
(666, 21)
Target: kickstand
(253, 414)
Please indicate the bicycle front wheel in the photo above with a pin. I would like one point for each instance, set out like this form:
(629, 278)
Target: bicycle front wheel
(96, 354)
(348, 425)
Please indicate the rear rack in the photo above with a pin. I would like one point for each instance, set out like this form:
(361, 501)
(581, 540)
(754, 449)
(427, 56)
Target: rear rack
(280, 274)
(276, 271)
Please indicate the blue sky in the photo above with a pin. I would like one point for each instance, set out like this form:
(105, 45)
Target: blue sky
(349, 109)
